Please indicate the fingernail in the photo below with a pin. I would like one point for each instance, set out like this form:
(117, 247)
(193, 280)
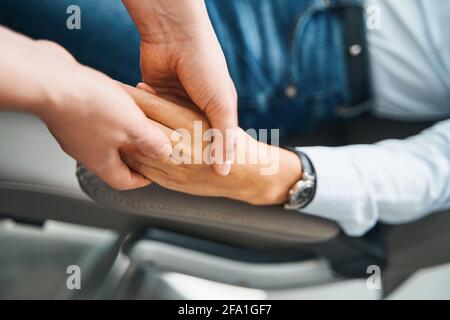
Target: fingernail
(165, 151)
(225, 168)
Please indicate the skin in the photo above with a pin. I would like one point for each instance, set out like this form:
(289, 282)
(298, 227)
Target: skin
(89, 114)
(244, 183)
(181, 59)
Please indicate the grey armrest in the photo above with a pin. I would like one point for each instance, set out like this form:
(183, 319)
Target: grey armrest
(219, 219)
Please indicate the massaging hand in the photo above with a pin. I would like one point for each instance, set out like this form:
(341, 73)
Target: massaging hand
(264, 180)
(182, 60)
(89, 114)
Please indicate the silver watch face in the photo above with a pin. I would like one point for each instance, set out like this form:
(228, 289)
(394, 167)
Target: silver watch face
(303, 191)
(301, 198)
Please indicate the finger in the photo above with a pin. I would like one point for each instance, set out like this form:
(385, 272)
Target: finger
(138, 162)
(216, 96)
(153, 140)
(132, 151)
(223, 116)
(118, 175)
(170, 95)
(170, 114)
(145, 87)
(157, 175)
(133, 159)
(145, 166)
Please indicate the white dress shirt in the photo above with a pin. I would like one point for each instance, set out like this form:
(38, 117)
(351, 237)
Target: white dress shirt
(395, 181)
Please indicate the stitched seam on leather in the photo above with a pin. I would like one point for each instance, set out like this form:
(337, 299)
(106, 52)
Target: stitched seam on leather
(92, 189)
(172, 210)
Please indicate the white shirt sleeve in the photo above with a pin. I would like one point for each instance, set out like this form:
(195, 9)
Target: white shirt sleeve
(394, 181)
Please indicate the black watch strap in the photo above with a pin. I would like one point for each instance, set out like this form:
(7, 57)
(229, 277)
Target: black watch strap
(300, 199)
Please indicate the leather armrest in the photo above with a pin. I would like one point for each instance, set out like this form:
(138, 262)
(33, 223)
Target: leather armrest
(218, 219)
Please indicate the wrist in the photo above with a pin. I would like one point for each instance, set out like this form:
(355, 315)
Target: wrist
(166, 21)
(277, 186)
(24, 76)
(271, 187)
(69, 88)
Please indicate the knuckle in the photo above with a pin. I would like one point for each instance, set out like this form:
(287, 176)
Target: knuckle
(138, 130)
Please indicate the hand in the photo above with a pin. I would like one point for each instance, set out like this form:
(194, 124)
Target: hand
(246, 182)
(182, 60)
(93, 118)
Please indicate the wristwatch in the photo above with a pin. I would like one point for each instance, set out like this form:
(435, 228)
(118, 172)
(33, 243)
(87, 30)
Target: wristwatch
(303, 191)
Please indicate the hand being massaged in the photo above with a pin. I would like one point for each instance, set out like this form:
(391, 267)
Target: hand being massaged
(261, 174)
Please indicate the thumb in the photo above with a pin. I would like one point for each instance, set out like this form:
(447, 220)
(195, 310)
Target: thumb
(117, 175)
(222, 115)
(218, 100)
(152, 142)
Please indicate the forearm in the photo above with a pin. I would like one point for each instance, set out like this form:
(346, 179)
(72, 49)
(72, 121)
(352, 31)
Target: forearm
(165, 21)
(41, 77)
(20, 88)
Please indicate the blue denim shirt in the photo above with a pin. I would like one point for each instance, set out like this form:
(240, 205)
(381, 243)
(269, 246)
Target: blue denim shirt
(286, 59)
